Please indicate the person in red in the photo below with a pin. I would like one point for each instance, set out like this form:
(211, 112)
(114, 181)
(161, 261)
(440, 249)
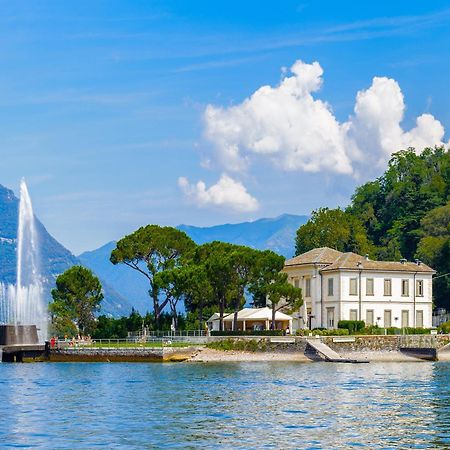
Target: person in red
(52, 342)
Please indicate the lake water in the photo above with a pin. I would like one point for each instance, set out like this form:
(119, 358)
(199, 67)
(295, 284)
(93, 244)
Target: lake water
(245, 405)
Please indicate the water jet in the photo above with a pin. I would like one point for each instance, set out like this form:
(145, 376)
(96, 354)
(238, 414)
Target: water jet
(23, 308)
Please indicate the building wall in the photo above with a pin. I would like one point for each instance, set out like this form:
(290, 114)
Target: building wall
(343, 302)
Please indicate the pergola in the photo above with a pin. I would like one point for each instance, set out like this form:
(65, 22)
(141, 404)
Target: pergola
(251, 319)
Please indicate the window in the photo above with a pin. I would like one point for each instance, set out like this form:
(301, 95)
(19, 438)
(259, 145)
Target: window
(369, 286)
(405, 288)
(387, 318)
(369, 317)
(353, 286)
(405, 318)
(419, 288)
(330, 287)
(419, 319)
(387, 286)
(308, 287)
(330, 317)
(296, 283)
(353, 314)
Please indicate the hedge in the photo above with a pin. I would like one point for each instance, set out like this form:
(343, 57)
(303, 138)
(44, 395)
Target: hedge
(248, 333)
(352, 325)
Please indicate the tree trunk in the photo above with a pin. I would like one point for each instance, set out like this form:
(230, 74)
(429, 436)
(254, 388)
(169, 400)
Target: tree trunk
(273, 316)
(200, 317)
(221, 311)
(237, 303)
(156, 309)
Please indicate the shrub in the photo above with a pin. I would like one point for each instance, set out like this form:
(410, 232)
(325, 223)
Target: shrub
(248, 333)
(323, 332)
(251, 345)
(444, 327)
(352, 325)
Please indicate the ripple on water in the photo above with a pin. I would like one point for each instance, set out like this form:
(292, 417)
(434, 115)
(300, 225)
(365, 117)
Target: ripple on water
(270, 405)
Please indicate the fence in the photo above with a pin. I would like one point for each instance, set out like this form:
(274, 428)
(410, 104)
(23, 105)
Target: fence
(147, 333)
(439, 319)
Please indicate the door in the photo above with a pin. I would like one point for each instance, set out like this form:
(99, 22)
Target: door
(387, 318)
(405, 318)
(330, 317)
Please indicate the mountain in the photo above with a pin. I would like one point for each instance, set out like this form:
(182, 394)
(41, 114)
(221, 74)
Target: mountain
(277, 234)
(55, 258)
(122, 279)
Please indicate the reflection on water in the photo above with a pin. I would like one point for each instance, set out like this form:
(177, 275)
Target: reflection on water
(275, 405)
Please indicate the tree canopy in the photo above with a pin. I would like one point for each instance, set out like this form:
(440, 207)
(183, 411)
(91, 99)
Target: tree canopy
(154, 251)
(402, 214)
(333, 228)
(76, 299)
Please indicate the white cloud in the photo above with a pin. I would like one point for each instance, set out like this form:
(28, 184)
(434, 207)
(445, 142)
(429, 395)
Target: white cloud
(296, 131)
(284, 123)
(227, 192)
(374, 132)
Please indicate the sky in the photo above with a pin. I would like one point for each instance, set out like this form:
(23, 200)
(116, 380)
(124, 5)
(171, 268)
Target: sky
(120, 114)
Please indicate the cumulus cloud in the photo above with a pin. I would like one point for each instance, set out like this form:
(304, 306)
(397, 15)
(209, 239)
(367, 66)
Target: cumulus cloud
(284, 123)
(297, 131)
(374, 131)
(227, 192)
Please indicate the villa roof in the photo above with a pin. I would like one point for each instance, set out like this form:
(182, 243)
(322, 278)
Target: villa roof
(322, 255)
(252, 314)
(353, 261)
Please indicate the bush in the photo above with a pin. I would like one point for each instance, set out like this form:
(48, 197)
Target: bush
(323, 332)
(444, 327)
(352, 325)
(248, 333)
(250, 345)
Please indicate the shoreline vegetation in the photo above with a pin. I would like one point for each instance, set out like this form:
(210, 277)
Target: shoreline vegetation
(405, 213)
(369, 348)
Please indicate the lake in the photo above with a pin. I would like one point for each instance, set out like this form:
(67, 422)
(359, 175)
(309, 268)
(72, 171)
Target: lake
(227, 405)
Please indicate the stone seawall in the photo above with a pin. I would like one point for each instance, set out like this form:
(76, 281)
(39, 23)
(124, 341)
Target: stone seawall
(385, 343)
(124, 354)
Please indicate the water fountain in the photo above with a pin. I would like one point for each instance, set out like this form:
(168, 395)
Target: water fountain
(23, 309)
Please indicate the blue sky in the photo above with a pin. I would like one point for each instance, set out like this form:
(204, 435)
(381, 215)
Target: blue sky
(103, 103)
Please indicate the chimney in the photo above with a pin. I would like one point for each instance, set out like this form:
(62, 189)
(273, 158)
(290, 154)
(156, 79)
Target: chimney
(403, 260)
(366, 257)
(418, 262)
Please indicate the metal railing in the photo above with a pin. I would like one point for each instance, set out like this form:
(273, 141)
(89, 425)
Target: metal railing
(140, 334)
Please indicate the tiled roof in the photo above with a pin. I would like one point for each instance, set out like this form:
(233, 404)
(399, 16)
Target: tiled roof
(322, 255)
(354, 261)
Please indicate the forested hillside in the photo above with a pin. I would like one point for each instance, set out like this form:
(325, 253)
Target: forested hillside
(405, 213)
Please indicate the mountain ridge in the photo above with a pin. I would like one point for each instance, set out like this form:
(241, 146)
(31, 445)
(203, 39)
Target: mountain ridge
(55, 258)
(277, 234)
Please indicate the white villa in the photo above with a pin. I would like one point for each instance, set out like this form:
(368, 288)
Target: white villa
(255, 319)
(346, 286)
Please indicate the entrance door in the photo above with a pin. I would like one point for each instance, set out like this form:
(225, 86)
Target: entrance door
(330, 317)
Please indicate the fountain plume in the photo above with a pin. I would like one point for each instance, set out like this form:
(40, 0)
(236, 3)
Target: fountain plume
(24, 303)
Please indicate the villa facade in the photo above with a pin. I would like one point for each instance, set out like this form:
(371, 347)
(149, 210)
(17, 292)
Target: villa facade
(346, 286)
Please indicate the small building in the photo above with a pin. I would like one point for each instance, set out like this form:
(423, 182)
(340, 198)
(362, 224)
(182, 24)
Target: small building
(347, 286)
(255, 319)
